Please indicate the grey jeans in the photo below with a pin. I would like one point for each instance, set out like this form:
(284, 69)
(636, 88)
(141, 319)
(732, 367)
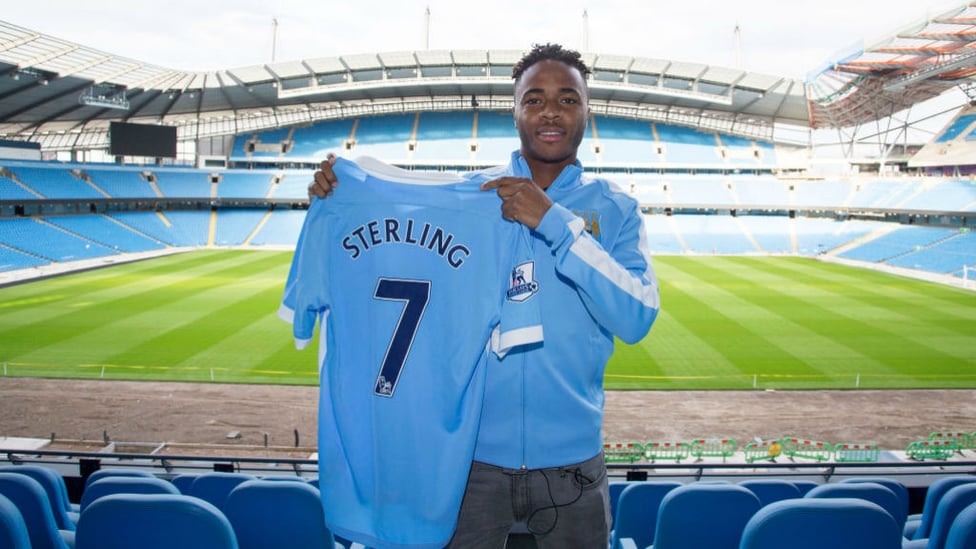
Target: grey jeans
(563, 507)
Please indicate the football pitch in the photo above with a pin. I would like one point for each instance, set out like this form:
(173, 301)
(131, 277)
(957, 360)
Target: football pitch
(725, 323)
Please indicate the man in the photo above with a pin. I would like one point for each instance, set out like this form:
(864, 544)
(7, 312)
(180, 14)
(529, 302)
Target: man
(538, 458)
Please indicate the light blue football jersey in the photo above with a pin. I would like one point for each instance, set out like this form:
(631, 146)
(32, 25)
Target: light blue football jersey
(414, 279)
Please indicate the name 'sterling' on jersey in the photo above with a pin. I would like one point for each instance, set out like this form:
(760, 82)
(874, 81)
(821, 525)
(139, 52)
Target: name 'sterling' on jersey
(394, 231)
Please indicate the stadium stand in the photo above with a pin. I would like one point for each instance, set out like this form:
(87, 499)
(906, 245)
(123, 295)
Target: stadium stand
(900, 241)
(45, 240)
(949, 255)
(687, 147)
(121, 182)
(240, 184)
(13, 190)
(235, 226)
(179, 183)
(105, 231)
(12, 260)
(55, 182)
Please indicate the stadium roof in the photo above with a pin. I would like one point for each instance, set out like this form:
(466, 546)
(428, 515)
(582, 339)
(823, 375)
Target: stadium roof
(64, 94)
(915, 64)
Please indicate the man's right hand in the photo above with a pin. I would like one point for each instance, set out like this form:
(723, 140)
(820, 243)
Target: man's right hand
(325, 179)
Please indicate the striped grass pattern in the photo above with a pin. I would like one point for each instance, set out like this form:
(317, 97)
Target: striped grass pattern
(725, 323)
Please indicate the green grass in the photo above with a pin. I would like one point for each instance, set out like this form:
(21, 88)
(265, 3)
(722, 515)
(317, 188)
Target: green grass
(193, 317)
(795, 323)
(726, 323)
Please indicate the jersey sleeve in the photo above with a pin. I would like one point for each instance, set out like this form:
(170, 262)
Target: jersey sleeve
(305, 298)
(521, 319)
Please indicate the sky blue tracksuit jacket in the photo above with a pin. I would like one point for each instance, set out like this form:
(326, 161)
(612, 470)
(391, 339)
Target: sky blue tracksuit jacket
(544, 403)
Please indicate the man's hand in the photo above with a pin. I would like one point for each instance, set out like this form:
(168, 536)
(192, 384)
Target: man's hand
(522, 200)
(325, 179)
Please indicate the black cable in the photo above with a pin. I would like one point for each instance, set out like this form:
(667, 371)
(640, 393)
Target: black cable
(579, 477)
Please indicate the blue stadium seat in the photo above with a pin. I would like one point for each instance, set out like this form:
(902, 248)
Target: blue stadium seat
(215, 487)
(153, 521)
(65, 515)
(29, 497)
(614, 488)
(277, 514)
(894, 485)
(125, 485)
(920, 526)
(805, 486)
(769, 490)
(701, 514)
(868, 491)
(13, 529)
(184, 482)
(117, 472)
(962, 533)
(636, 512)
(811, 523)
(950, 505)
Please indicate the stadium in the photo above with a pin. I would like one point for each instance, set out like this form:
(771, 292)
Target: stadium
(817, 304)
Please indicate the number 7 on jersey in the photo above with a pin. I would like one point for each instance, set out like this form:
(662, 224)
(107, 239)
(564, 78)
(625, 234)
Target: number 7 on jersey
(414, 294)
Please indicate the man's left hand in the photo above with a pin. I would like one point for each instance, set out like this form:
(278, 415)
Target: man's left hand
(522, 200)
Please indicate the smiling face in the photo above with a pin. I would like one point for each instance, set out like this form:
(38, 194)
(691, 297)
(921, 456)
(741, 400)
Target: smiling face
(551, 110)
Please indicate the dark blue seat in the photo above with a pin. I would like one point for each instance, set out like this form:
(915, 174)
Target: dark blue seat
(116, 472)
(153, 521)
(35, 507)
(962, 533)
(614, 489)
(265, 513)
(920, 526)
(769, 490)
(637, 509)
(804, 486)
(869, 491)
(184, 482)
(701, 514)
(55, 488)
(125, 485)
(894, 485)
(13, 529)
(950, 505)
(215, 487)
(815, 523)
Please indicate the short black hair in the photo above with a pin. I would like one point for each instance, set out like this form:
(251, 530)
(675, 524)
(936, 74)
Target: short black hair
(547, 51)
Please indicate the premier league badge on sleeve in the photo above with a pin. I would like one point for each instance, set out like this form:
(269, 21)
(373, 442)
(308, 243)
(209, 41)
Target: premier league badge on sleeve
(523, 284)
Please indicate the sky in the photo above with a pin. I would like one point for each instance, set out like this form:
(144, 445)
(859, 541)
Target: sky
(779, 37)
